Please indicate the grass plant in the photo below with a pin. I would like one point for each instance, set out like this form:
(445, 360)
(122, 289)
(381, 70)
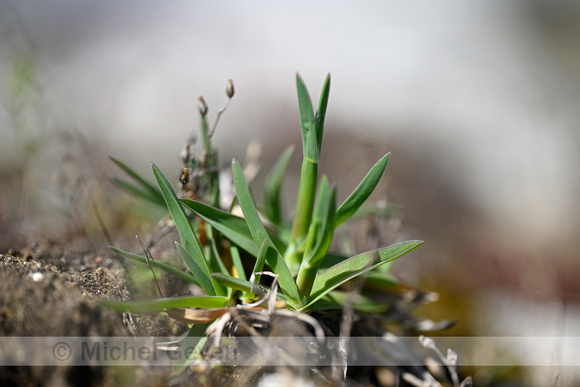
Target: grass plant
(217, 245)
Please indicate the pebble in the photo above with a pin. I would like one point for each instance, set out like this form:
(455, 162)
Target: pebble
(37, 276)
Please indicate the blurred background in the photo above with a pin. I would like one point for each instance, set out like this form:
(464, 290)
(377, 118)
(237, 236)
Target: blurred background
(477, 101)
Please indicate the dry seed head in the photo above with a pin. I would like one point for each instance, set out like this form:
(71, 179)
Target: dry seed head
(202, 106)
(230, 88)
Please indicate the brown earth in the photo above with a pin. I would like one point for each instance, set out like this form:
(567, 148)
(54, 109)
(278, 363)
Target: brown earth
(54, 289)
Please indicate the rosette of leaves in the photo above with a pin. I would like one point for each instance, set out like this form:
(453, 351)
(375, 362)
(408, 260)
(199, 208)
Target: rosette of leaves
(296, 251)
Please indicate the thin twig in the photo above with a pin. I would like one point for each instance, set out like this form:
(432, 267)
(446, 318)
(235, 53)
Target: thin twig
(148, 257)
(217, 118)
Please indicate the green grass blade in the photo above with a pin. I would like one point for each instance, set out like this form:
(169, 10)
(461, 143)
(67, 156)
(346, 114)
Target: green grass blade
(272, 206)
(149, 187)
(312, 130)
(307, 122)
(321, 112)
(239, 284)
(313, 233)
(309, 172)
(324, 229)
(163, 266)
(237, 260)
(199, 270)
(305, 200)
(362, 191)
(261, 259)
(324, 237)
(232, 227)
(135, 176)
(238, 270)
(216, 264)
(158, 305)
(251, 215)
(259, 233)
(314, 230)
(265, 254)
(138, 192)
(198, 264)
(355, 266)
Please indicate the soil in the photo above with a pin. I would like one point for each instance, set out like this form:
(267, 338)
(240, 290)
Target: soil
(54, 289)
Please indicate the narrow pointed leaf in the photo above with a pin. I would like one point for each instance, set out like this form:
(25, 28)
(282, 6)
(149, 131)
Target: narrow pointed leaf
(198, 269)
(324, 238)
(315, 226)
(158, 305)
(323, 229)
(139, 192)
(307, 122)
(253, 220)
(239, 284)
(197, 264)
(261, 259)
(163, 266)
(272, 205)
(306, 198)
(216, 264)
(362, 191)
(149, 187)
(259, 233)
(238, 265)
(355, 266)
(231, 226)
(308, 174)
(321, 111)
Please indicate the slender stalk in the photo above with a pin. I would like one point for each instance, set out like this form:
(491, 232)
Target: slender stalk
(204, 131)
(209, 161)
